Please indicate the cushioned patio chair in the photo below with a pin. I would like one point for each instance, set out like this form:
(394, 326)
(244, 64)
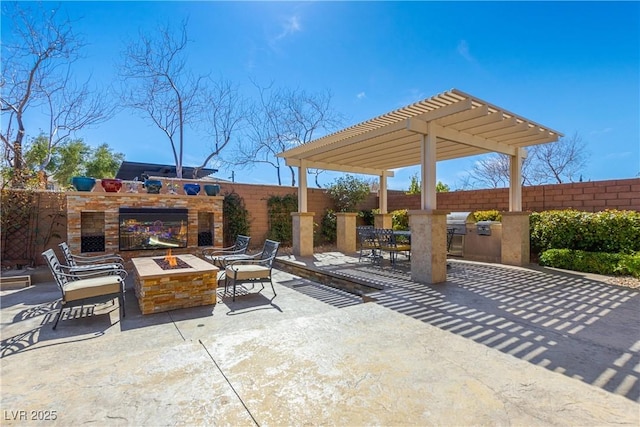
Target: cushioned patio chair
(87, 287)
(219, 257)
(256, 268)
(387, 243)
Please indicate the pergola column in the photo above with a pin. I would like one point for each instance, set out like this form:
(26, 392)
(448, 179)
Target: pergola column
(515, 223)
(515, 238)
(428, 226)
(383, 220)
(302, 221)
(382, 194)
(428, 246)
(302, 233)
(346, 231)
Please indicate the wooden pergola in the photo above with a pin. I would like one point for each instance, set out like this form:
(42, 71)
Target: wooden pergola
(446, 126)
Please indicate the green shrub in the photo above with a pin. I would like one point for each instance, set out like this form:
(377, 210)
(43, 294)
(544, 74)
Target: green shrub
(490, 215)
(609, 231)
(236, 218)
(328, 228)
(592, 262)
(347, 191)
(367, 216)
(400, 219)
(280, 220)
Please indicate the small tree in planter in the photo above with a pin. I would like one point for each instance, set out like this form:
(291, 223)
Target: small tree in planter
(347, 192)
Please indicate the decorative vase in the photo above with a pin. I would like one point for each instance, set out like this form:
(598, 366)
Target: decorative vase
(212, 189)
(83, 183)
(191, 189)
(153, 186)
(111, 185)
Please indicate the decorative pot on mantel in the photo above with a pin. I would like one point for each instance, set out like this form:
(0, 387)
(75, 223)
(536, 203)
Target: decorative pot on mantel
(191, 189)
(153, 186)
(212, 189)
(111, 185)
(83, 183)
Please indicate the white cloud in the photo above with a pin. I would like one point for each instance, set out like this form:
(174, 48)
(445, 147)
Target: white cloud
(290, 26)
(463, 50)
(601, 132)
(619, 155)
(361, 95)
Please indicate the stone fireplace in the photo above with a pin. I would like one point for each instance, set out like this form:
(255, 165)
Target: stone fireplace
(94, 222)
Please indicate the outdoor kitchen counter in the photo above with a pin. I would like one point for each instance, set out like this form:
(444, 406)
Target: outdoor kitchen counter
(161, 290)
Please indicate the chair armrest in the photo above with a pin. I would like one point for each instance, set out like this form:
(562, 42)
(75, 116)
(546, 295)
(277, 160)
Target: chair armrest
(97, 259)
(91, 273)
(220, 252)
(209, 251)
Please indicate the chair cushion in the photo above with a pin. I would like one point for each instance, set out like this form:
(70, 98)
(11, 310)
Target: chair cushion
(88, 288)
(248, 271)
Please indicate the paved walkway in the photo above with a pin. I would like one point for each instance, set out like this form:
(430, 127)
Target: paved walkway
(574, 324)
(475, 351)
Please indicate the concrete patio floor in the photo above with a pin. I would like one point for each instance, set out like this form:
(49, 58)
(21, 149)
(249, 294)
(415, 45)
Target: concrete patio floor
(492, 346)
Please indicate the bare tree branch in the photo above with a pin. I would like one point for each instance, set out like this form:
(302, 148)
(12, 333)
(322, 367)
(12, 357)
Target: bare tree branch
(157, 82)
(37, 74)
(282, 119)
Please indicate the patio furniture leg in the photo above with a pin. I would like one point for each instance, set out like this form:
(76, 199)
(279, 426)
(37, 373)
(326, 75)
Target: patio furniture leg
(58, 316)
(234, 286)
(272, 288)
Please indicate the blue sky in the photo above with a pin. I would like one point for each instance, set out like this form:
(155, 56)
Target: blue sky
(571, 66)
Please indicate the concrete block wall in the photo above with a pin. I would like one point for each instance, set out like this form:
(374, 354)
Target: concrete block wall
(622, 194)
(588, 196)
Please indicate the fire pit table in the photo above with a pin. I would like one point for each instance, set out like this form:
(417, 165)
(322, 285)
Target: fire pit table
(160, 286)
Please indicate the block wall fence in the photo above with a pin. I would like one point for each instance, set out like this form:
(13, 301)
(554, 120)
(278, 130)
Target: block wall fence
(622, 194)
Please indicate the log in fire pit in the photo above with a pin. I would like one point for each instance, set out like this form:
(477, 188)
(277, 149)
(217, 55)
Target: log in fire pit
(171, 262)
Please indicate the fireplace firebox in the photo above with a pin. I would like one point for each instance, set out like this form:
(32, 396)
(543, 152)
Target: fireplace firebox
(151, 228)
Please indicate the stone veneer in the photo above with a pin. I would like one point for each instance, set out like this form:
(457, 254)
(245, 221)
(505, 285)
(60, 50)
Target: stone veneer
(161, 290)
(101, 214)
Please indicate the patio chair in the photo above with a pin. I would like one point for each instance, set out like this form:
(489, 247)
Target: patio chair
(219, 257)
(387, 243)
(87, 287)
(256, 268)
(81, 261)
(367, 242)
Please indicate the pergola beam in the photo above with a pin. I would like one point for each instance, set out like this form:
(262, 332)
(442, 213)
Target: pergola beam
(338, 167)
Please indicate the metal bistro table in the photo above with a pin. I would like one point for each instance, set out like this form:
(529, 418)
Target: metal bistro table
(407, 234)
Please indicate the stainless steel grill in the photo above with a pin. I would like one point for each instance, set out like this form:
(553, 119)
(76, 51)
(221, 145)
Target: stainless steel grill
(457, 223)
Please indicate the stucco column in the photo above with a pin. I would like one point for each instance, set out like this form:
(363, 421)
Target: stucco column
(302, 233)
(428, 246)
(383, 220)
(515, 238)
(346, 231)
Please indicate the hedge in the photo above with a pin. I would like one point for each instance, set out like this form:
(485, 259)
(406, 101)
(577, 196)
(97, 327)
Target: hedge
(592, 262)
(610, 231)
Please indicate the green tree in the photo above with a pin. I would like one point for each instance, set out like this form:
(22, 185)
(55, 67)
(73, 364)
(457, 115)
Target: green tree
(67, 161)
(71, 158)
(346, 192)
(441, 187)
(103, 163)
(415, 188)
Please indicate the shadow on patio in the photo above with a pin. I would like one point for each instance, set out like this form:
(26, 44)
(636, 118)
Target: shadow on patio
(573, 324)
